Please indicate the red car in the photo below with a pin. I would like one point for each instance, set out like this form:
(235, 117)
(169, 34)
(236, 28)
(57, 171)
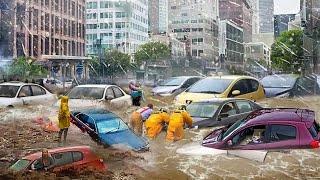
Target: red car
(64, 158)
(269, 129)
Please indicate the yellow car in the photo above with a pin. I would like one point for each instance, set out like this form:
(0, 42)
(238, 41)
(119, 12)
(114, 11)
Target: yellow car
(222, 87)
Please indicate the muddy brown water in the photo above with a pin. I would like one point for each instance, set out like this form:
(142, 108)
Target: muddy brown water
(162, 161)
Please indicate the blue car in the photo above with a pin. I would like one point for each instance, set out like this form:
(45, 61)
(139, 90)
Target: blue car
(108, 129)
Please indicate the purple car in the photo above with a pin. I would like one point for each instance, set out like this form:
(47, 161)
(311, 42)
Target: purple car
(268, 129)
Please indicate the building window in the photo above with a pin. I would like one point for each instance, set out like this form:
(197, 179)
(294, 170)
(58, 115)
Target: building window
(92, 5)
(106, 15)
(106, 4)
(194, 52)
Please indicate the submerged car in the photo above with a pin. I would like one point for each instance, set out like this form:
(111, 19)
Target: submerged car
(220, 111)
(108, 129)
(92, 95)
(174, 85)
(77, 157)
(290, 85)
(14, 94)
(268, 129)
(222, 87)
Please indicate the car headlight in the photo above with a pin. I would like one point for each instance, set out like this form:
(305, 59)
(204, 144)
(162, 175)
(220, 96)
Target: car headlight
(284, 95)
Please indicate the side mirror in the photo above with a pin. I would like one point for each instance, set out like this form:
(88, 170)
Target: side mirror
(223, 115)
(229, 142)
(109, 97)
(236, 92)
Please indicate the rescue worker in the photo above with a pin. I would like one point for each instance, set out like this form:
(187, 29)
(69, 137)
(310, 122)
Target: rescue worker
(64, 118)
(178, 119)
(138, 117)
(155, 122)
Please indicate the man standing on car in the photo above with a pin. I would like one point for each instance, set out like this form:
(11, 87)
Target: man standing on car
(138, 117)
(64, 118)
(178, 119)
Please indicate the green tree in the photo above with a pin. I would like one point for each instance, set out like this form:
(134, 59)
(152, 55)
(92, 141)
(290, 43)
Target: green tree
(151, 51)
(118, 63)
(25, 68)
(287, 52)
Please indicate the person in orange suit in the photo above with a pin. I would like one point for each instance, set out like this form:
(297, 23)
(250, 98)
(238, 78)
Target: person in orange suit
(138, 117)
(155, 122)
(178, 119)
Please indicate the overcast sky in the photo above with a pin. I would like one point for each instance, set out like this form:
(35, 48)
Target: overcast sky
(286, 6)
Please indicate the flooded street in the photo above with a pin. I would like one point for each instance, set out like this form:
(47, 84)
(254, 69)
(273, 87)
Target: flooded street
(22, 136)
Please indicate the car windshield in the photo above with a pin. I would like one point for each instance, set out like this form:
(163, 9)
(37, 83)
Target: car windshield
(20, 165)
(209, 85)
(86, 93)
(233, 128)
(278, 81)
(8, 91)
(113, 125)
(203, 109)
(175, 81)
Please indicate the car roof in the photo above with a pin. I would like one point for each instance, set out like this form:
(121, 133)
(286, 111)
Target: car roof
(231, 77)
(57, 150)
(221, 100)
(281, 114)
(98, 114)
(284, 75)
(96, 85)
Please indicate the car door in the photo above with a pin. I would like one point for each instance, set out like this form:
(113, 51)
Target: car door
(120, 98)
(228, 114)
(249, 138)
(25, 94)
(62, 161)
(39, 95)
(109, 96)
(280, 136)
(248, 89)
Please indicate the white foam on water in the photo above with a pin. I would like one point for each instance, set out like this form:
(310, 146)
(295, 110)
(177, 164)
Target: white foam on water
(199, 150)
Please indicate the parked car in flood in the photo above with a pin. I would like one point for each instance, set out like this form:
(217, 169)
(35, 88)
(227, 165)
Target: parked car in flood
(95, 94)
(222, 87)
(268, 129)
(220, 111)
(290, 85)
(174, 85)
(108, 129)
(14, 94)
(77, 158)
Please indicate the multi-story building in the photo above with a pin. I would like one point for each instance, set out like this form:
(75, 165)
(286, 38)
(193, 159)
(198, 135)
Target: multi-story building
(281, 22)
(196, 22)
(50, 30)
(119, 24)
(158, 16)
(310, 20)
(239, 12)
(258, 51)
(231, 48)
(296, 23)
(178, 48)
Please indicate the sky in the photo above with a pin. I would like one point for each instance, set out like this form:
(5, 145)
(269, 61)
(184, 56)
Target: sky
(286, 6)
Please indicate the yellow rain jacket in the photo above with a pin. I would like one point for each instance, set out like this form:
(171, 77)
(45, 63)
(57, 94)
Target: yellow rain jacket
(177, 120)
(154, 123)
(136, 122)
(64, 113)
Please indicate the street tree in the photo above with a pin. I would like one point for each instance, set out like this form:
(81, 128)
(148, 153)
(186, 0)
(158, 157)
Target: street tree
(151, 51)
(287, 51)
(116, 63)
(23, 67)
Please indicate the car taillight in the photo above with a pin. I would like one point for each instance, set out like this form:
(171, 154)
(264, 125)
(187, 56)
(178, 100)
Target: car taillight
(315, 144)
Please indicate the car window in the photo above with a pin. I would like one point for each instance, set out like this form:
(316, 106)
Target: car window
(109, 93)
(77, 156)
(229, 109)
(244, 106)
(249, 136)
(61, 159)
(202, 109)
(253, 85)
(37, 91)
(25, 91)
(8, 91)
(241, 85)
(86, 120)
(282, 133)
(118, 93)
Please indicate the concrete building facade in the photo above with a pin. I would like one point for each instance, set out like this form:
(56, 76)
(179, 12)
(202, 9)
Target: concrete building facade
(266, 10)
(116, 24)
(239, 12)
(281, 22)
(196, 22)
(158, 16)
(231, 44)
(52, 31)
(258, 51)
